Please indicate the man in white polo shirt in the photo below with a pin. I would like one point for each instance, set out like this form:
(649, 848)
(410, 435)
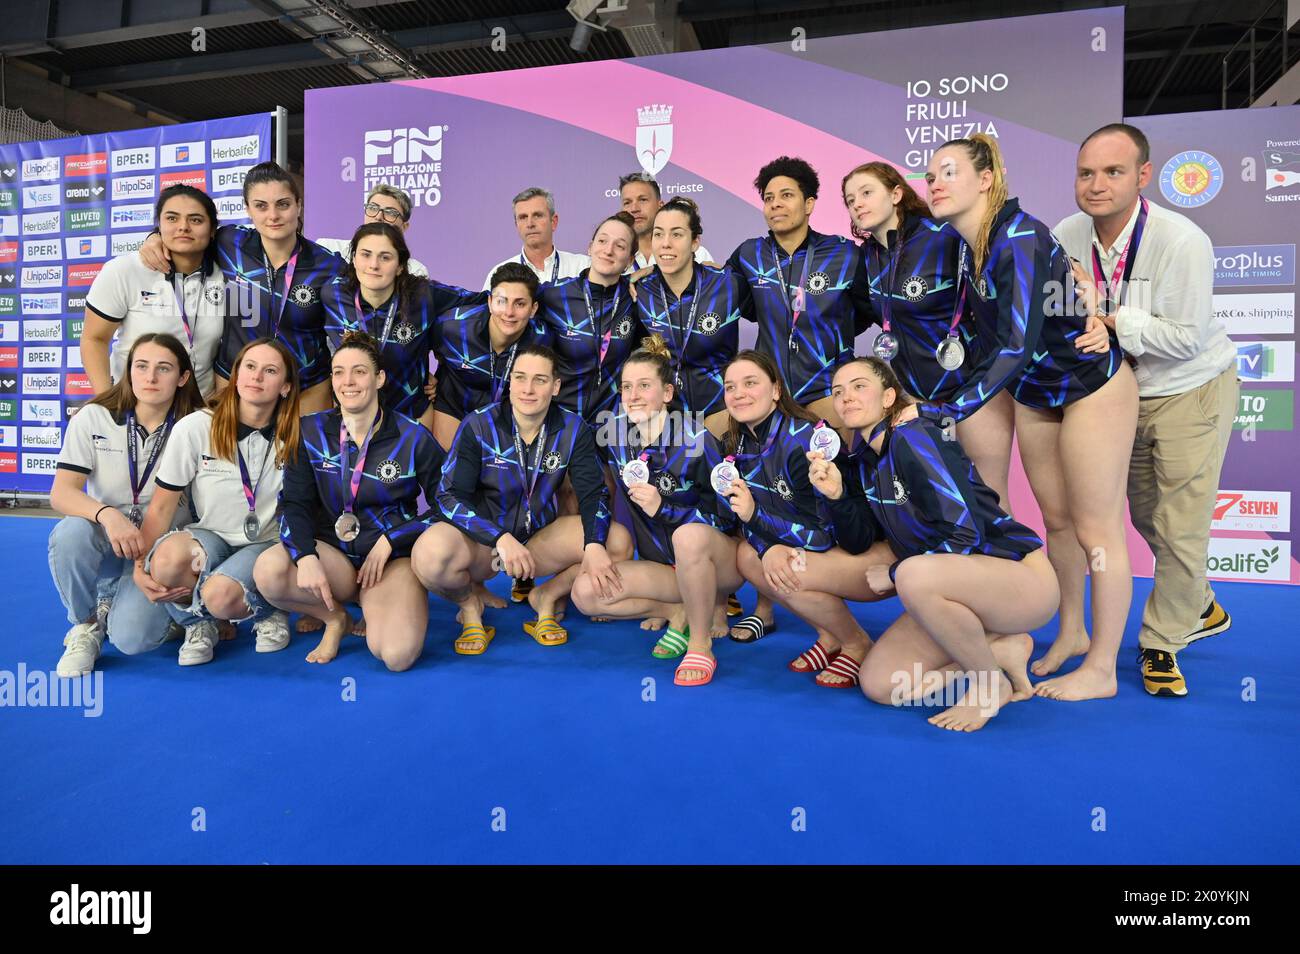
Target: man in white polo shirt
(387, 204)
(639, 197)
(1154, 274)
(536, 221)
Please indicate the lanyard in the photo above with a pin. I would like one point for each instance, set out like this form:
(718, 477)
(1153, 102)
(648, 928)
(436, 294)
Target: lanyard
(137, 485)
(555, 266)
(529, 484)
(498, 387)
(352, 485)
(1124, 264)
(889, 277)
(180, 305)
(963, 280)
(289, 266)
(388, 319)
(690, 322)
(795, 302)
(595, 323)
(250, 488)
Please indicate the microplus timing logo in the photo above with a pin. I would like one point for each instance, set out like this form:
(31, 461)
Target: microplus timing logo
(409, 158)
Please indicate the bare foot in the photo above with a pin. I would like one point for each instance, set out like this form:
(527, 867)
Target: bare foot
(308, 624)
(1066, 647)
(970, 716)
(718, 629)
(1012, 654)
(1083, 683)
(359, 627)
(328, 647)
(745, 634)
(692, 675)
(858, 652)
(829, 645)
(654, 622)
(543, 606)
(225, 629)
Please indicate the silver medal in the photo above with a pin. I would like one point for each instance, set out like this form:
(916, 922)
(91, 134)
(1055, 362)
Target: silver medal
(252, 528)
(722, 476)
(885, 347)
(636, 472)
(826, 440)
(347, 527)
(135, 516)
(950, 354)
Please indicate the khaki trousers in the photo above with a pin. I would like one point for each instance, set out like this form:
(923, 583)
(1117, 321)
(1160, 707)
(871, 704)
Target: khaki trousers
(1173, 483)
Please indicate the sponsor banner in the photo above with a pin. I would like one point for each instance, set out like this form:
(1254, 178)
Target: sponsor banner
(124, 242)
(1232, 558)
(8, 199)
(8, 303)
(237, 149)
(8, 252)
(42, 383)
(1266, 410)
(132, 160)
(229, 179)
(8, 462)
(42, 438)
(1266, 511)
(8, 357)
(133, 187)
(197, 180)
(1266, 360)
(77, 384)
(44, 304)
(42, 250)
(183, 154)
(1254, 265)
(73, 359)
(1265, 313)
(9, 330)
(40, 463)
(72, 326)
(42, 223)
(42, 412)
(129, 216)
(42, 276)
(8, 409)
(42, 330)
(85, 193)
(91, 164)
(230, 208)
(83, 274)
(8, 382)
(8, 436)
(42, 357)
(40, 197)
(8, 226)
(46, 167)
(89, 246)
(84, 220)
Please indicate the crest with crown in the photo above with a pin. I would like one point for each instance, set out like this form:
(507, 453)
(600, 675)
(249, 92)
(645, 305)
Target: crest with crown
(657, 115)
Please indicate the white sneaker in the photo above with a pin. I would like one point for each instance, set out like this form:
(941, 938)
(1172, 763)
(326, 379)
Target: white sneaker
(200, 638)
(272, 633)
(83, 642)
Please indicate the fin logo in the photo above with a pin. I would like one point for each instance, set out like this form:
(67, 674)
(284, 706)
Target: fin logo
(403, 146)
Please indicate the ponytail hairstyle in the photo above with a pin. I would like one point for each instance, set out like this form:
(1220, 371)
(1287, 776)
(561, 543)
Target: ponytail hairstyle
(784, 402)
(653, 351)
(623, 218)
(120, 398)
(407, 286)
(365, 343)
(985, 154)
(910, 205)
(686, 207)
(225, 409)
(888, 379)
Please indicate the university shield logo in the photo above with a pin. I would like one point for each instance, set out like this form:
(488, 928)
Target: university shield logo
(654, 137)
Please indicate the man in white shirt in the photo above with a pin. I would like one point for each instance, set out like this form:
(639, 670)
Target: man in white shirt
(387, 204)
(1154, 274)
(536, 221)
(640, 197)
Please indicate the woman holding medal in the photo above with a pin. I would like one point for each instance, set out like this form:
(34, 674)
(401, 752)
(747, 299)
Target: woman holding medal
(686, 559)
(379, 295)
(274, 279)
(101, 486)
(1076, 411)
(592, 321)
(785, 523)
(477, 345)
(695, 309)
(966, 571)
(498, 494)
(231, 458)
(912, 262)
(349, 515)
(128, 299)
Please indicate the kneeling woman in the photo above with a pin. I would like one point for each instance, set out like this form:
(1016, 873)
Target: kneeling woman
(349, 516)
(785, 523)
(101, 487)
(687, 562)
(499, 492)
(967, 573)
(231, 458)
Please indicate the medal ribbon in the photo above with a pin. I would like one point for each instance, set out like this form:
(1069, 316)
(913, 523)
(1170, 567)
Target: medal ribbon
(530, 484)
(388, 319)
(250, 488)
(1124, 264)
(132, 454)
(289, 267)
(595, 323)
(353, 484)
(179, 293)
(690, 322)
(785, 288)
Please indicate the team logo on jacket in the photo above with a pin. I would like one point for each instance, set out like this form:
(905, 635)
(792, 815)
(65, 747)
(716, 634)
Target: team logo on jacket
(982, 286)
(782, 488)
(900, 492)
(624, 327)
(388, 471)
(404, 333)
(818, 282)
(213, 293)
(552, 461)
(303, 295)
(915, 288)
(667, 484)
(709, 323)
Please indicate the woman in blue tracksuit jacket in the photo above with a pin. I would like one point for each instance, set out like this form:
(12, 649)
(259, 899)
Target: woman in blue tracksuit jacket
(966, 573)
(1076, 411)
(786, 528)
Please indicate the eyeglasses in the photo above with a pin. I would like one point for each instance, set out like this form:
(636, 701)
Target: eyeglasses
(375, 211)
